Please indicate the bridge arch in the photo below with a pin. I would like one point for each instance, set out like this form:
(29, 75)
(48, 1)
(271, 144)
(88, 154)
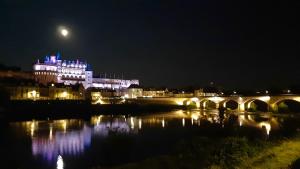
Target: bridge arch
(230, 104)
(208, 104)
(191, 102)
(286, 105)
(256, 104)
(280, 99)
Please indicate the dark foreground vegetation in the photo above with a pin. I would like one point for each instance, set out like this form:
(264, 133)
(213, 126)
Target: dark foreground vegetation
(225, 153)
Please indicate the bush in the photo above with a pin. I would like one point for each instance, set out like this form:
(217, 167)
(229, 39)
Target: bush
(231, 152)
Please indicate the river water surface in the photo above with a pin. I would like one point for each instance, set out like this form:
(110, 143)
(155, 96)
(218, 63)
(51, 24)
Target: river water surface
(110, 140)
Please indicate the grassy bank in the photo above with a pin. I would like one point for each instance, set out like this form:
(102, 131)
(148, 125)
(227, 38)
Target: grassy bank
(226, 153)
(281, 155)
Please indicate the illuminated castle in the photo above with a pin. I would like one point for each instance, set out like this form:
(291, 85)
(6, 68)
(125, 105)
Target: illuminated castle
(55, 70)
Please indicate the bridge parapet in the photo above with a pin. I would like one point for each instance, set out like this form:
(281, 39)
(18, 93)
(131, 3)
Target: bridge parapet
(245, 101)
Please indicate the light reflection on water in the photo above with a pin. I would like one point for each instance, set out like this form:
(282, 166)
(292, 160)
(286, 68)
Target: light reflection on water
(70, 143)
(52, 138)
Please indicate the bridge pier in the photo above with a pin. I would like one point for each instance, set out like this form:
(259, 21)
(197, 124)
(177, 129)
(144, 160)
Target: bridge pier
(204, 105)
(198, 104)
(241, 107)
(217, 105)
(224, 105)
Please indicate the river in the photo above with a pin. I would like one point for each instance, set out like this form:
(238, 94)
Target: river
(110, 140)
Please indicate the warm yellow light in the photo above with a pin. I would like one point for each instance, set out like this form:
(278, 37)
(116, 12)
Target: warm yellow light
(249, 105)
(195, 99)
(96, 94)
(64, 125)
(140, 123)
(216, 99)
(179, 103)
(50, 133)
(98, 101)
(34, 93)
(296, 99)
(198, 104)
(241, 119)
(64, 94)
(242, 106)
(32, 128)
(265, 98)
(195, 116)
(131, 122)
(266, 125)
(99, 120)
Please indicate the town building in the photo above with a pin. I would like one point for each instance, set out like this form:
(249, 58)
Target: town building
(24, 92)
(34, 91)
(133, 91)
(151, 92)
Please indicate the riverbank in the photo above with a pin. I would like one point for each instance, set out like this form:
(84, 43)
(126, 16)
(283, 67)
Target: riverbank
(226, 153)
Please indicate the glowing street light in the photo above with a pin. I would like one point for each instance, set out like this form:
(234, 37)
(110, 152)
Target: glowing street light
(64, 94)
(34, 93)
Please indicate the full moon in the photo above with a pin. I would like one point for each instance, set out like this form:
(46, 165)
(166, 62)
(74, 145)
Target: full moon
(64, 32)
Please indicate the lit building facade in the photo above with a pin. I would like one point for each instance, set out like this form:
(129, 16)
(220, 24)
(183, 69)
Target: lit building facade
(28, 92)
(55, 70)
(53, 92)
(155, 93)
(133, 92)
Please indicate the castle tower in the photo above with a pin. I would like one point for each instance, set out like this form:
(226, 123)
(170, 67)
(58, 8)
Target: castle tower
(88, 76)
(59, 66)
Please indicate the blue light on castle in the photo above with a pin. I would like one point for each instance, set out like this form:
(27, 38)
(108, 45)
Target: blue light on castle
(70, 72)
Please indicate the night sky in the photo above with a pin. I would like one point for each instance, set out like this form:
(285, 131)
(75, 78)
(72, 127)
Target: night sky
(160, 42)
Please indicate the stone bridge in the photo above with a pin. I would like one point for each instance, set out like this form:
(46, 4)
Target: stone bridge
(243, 102)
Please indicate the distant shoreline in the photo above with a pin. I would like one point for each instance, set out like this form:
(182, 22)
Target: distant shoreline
(27, 110)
